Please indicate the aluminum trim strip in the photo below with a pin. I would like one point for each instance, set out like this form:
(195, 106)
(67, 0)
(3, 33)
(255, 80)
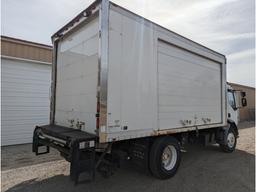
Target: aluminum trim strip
(103, 62)
(53, 83)
(52, 138)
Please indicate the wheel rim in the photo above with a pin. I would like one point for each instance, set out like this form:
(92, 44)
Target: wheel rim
(231, 140)
(169, 157)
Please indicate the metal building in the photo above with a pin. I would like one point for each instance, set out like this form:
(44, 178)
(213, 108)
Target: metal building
(246, 113)
(25, 77)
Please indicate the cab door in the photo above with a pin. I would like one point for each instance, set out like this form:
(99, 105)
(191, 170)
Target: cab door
(233, 112)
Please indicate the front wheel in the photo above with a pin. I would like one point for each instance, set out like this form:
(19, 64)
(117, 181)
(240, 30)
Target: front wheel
(164, 157)
(230, 141)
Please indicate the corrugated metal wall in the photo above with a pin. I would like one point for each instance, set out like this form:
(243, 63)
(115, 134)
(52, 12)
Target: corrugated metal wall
(25, 81)
(27, 50)
(246, 113)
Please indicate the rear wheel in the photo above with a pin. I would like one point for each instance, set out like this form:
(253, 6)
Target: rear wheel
(164, 157)
(230, 141)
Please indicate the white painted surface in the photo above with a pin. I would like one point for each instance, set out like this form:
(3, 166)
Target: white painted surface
(155, 86)
(232, 103)
(132, 76)
(25, 99)
(77, 77)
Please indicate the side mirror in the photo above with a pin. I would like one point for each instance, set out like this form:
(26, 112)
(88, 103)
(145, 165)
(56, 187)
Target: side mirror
(244, 102)
(243, 94)
(240, 98)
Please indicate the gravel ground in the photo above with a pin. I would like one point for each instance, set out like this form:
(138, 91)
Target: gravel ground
(16, 156)
(202, 169)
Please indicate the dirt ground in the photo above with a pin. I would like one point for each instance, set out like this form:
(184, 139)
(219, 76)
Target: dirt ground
(202, 169)
(16, 156)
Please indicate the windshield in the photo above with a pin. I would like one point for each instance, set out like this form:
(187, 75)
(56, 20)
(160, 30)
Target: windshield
(231, 99)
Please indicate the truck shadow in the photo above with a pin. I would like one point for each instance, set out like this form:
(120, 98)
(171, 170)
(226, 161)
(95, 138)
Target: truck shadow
(202, 169)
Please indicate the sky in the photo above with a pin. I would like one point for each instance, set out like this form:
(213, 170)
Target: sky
(226, 26)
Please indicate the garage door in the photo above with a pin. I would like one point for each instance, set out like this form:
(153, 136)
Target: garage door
(25, 99)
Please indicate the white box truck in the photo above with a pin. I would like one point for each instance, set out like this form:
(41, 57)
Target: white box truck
(124, 88)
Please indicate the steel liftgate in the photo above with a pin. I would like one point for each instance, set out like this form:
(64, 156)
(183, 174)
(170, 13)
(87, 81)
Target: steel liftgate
(76, 146)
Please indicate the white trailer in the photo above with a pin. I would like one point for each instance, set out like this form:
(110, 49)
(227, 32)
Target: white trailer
(123, 83)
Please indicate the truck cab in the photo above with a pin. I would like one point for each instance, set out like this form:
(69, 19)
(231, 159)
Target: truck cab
(235, 100)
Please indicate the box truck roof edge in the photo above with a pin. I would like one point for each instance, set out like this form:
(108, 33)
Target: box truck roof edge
(89, 10)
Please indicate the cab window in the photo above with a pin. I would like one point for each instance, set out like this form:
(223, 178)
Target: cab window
(231, 99)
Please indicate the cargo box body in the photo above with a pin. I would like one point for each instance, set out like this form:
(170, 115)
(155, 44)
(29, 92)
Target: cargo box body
(121, 76)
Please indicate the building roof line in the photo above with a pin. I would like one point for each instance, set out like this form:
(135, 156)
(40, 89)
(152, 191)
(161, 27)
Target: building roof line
(25, 42)
(236, 84)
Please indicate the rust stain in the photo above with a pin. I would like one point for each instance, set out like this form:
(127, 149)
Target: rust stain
(103, 137)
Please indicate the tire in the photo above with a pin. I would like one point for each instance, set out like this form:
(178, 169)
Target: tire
(164, 158)
(230, 141)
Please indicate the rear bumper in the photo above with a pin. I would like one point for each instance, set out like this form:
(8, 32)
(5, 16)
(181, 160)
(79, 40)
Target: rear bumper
(76, 146)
